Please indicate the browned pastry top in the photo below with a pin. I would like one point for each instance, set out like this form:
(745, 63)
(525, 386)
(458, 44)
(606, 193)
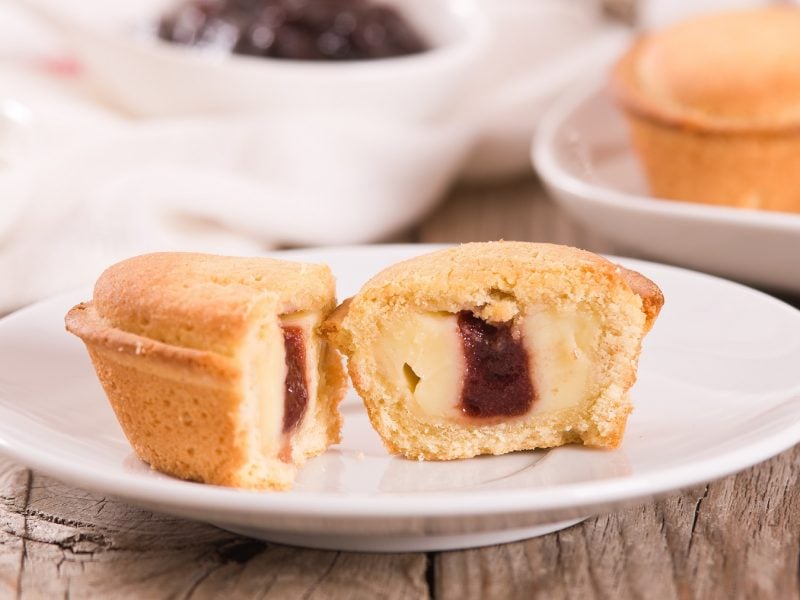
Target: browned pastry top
(472, 267)
(729, 71)
(205, 302)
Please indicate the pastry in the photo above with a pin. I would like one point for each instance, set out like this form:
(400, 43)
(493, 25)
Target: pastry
(713, 107)
(489, 348)
(214, 365)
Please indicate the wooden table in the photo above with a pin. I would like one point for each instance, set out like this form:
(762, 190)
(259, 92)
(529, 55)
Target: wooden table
(738, 537)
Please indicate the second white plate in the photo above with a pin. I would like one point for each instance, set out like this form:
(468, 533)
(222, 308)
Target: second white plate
(718, 391)
(585, 158)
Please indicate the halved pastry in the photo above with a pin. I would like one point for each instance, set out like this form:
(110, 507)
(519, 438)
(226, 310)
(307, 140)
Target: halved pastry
(495, 347)
(214, 365)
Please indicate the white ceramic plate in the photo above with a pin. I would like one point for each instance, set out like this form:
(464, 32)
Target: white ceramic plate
(718, 391)
(584, 156)
(15, 153)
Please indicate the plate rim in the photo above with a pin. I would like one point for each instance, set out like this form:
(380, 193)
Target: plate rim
(542, 154)
(181, 495)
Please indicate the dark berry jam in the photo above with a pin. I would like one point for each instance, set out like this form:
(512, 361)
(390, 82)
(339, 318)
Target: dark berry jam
(296, 394)
(296, 29)
(497, 381)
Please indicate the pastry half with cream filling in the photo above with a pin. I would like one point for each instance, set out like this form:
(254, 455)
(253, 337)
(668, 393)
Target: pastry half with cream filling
(495, 347)
(214, 365)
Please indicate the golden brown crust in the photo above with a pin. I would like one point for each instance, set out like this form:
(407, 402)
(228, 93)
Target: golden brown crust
(498, 281)
(481, 273)
(691, 75)
(170, 348)
(651, 295)
(332, 327)
(204, 301)
(717, 122)
(215, 369)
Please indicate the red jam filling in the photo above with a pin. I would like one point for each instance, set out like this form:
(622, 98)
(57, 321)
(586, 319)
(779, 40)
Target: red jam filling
(296, 395)
(293, 29)
(497, 380)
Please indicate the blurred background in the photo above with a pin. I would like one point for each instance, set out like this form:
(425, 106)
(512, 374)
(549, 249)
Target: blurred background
(244, 126)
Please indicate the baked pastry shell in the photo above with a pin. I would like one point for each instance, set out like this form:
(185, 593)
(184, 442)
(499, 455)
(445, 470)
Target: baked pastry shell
(688, 155)
(181, 408)
(464, 278)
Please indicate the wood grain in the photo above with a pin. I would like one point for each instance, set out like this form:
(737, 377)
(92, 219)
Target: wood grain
(735, 538)
(511, 210)
(14, 485)
(57, 541)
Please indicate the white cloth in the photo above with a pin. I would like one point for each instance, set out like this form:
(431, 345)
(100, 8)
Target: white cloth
(82, 186)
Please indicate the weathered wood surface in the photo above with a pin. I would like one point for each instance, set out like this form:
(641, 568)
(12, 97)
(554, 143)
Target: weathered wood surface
(57, 541)
(735, 538)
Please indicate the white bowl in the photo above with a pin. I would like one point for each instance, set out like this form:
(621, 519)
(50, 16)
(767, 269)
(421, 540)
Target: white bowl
(15, 151)
(541, 48)
(584, 156)
(149, 77)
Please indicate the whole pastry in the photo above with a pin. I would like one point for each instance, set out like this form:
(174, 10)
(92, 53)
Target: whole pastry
(489, 348)
(214, 365)
(713, 105)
